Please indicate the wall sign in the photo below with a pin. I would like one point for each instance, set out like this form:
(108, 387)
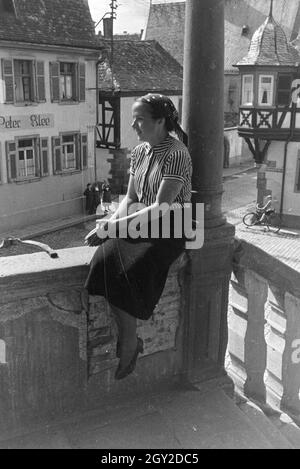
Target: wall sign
(30, 121)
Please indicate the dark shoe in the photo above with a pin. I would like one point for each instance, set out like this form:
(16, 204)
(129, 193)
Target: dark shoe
(123, 372)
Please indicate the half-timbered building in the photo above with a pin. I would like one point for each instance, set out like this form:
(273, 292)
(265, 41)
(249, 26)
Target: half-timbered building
(270, 115)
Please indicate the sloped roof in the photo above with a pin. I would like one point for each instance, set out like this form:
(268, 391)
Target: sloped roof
(52, 22)
(166, 25)
(141, 66)
(269, 46)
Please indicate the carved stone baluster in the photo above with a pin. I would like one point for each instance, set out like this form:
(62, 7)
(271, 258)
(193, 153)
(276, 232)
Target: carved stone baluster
(275, 330)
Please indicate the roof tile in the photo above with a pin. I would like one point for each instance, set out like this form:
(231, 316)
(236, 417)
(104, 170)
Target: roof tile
(52, 22)
(140, 66)
(269, 46)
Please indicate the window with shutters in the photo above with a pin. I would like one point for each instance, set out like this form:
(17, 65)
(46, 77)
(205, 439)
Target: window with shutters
(27, 158)
(24, 81)
(70, 152)
(67, 80)
(108, 128)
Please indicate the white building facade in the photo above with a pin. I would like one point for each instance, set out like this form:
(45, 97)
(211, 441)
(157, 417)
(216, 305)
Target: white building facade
(47, 122)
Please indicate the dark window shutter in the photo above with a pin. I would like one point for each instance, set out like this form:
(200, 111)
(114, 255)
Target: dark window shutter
(75, 82)
(12, 164)
(54, 81)
(8, 77)
(81, 82)
(84, 150)
(56, 154)
(40, 81)
(77, 152)
(37, 158)
(44, 152)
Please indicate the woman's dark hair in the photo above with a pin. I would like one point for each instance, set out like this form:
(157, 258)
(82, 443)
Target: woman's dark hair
(162, 106)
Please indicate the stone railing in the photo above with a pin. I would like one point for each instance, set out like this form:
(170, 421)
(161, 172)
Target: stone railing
(264, 329)
(57, 345)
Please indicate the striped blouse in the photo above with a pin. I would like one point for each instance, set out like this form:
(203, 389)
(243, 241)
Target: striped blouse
(167, 160)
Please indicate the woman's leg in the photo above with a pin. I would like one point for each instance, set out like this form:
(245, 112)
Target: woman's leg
(126, 325)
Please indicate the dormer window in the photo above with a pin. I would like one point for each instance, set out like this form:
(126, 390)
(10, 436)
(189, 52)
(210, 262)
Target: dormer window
(247, 90)
(7, 6)
(265, 90)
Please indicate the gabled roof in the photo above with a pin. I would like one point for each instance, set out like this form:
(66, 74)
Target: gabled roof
(52, 22)
(269, 46)
(140, 66)
(166, 25)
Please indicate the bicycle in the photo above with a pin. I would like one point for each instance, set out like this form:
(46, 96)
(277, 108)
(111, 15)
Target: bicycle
(266, 217)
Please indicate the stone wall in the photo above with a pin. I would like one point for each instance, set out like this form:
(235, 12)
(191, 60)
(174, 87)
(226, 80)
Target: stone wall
(264, 329)
(57, 346)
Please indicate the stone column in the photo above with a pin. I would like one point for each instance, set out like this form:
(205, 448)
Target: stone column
(208, 276)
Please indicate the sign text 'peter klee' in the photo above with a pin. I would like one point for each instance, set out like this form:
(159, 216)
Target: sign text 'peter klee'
(31, 121)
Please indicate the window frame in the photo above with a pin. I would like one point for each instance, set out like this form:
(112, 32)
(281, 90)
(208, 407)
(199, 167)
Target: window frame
(37, 81)
(78, 82)
(243, 101)
(19, 77)
(65, 74)
(260, 93)
(28, 148)
(81, 152)
(37, 156)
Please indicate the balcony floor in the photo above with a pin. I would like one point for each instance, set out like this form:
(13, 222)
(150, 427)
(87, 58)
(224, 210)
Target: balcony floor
(200, 417)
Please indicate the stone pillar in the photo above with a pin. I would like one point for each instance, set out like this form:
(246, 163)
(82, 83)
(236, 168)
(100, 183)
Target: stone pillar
(207, 280)
(203, 101)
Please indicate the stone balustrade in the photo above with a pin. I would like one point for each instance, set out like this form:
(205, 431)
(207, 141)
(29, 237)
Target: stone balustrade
(264, 328)
(57, 345)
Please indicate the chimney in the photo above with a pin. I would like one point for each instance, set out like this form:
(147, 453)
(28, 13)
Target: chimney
(107, 28)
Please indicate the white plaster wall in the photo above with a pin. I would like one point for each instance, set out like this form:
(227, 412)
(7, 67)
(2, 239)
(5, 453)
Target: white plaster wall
(25, 203)
(236, 143)
(291, 205)
(291, 198)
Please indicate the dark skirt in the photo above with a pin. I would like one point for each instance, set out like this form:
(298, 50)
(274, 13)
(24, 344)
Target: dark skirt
(131, 274)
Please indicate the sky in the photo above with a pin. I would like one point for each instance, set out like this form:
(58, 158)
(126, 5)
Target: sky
(132, 15)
